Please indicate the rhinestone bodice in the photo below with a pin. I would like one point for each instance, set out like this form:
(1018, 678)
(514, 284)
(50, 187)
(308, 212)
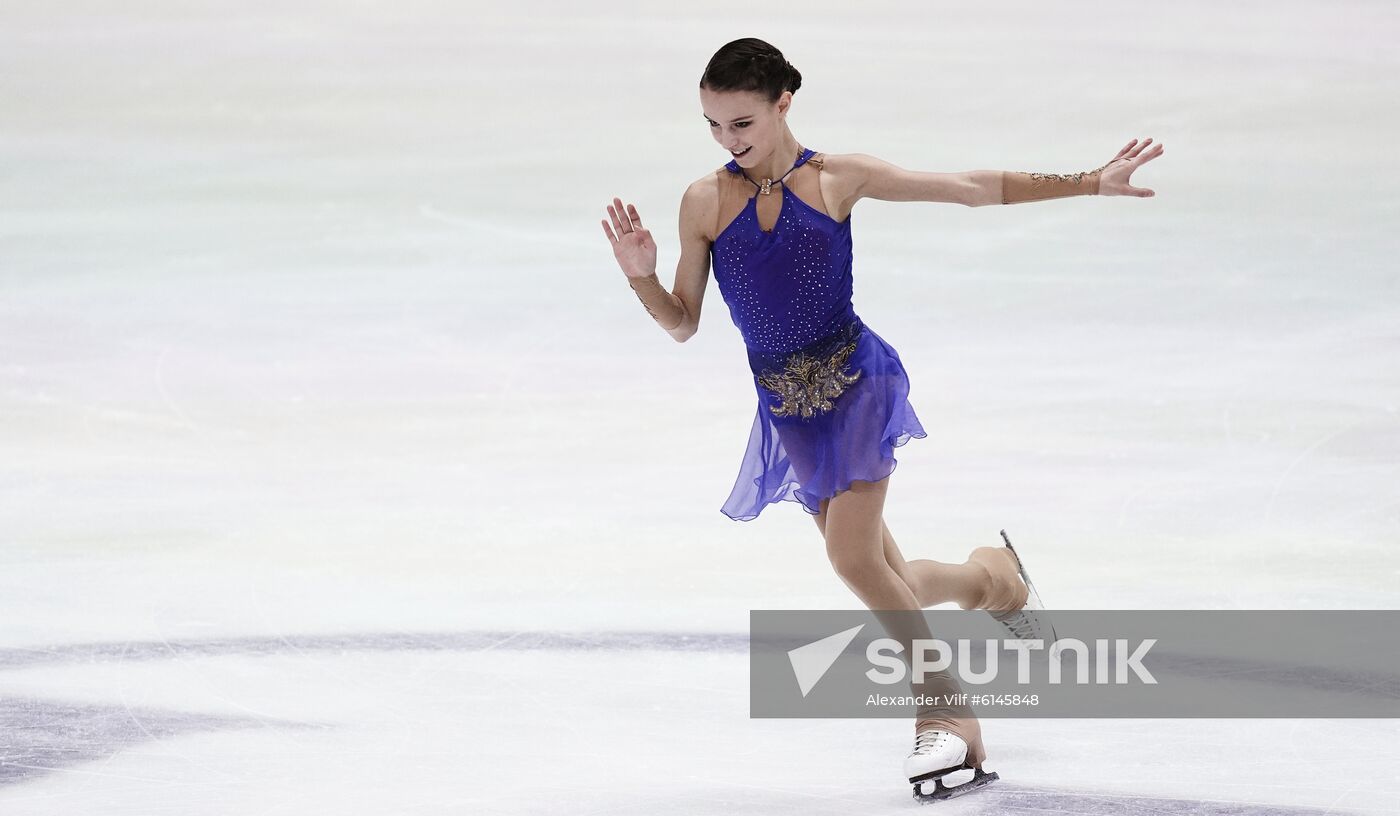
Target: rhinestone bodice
(788, 287)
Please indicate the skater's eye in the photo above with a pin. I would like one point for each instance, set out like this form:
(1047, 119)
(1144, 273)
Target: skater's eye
(739, 124)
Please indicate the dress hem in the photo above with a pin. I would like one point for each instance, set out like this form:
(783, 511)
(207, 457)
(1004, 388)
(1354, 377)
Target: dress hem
(786, 494)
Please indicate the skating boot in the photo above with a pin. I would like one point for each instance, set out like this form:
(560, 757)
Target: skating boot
(1031, 622)
(936, 754)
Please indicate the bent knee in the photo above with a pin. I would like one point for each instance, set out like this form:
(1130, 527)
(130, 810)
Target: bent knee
(857, 567)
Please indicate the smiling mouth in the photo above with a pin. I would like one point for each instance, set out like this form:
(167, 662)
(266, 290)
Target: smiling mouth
(741, 152)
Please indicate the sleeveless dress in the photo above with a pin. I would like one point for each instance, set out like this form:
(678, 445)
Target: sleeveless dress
(832, 394)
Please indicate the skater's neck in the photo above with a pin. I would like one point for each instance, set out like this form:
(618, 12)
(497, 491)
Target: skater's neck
(778, 161)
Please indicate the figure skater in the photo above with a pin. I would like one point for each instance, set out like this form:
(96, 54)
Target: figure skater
(775, 223)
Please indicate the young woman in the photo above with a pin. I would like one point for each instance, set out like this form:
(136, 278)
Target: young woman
(775, 223)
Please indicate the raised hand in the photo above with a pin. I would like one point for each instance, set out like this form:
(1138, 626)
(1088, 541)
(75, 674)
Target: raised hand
(632, 244)
(1113, 177)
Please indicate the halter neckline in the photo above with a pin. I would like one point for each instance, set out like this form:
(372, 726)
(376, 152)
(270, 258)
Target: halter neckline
(807, 153)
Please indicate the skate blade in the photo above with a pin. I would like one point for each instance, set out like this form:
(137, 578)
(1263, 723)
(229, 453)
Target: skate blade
(1021, 568)
(1033, 602)
(980, 779)
(941, 772)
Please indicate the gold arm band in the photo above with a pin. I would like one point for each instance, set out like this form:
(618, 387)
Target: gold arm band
(658, 302)
(1017, 187)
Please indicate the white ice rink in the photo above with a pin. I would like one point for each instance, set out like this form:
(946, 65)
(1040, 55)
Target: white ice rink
(342, 473)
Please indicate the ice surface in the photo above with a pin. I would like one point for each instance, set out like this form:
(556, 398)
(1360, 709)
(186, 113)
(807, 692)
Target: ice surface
(321, 392)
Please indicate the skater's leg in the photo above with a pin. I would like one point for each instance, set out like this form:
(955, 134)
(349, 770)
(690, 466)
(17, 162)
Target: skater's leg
(892, 554)
(988, 579)
(853, 529)
(855, 546)
(971, 585)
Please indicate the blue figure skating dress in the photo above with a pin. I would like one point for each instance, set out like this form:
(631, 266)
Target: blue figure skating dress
(833, 396)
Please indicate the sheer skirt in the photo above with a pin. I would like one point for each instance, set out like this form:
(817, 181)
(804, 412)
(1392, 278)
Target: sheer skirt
(828, 414)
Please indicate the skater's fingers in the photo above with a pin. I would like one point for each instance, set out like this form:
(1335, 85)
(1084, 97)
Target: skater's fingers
(630, 216)
(607, 229)
(620, 219)
(616, 220)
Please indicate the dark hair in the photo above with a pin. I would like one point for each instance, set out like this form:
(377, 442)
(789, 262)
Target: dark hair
(750, 64)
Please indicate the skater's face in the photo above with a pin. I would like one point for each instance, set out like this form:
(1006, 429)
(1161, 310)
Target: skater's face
(745, 120)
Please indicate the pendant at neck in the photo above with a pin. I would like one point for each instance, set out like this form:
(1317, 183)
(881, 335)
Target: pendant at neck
(767, 186)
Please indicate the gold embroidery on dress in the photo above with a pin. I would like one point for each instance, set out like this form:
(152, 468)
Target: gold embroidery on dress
(807, 384)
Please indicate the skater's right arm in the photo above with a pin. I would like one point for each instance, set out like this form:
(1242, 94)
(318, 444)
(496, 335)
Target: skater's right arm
(677, 312)
(699, 206)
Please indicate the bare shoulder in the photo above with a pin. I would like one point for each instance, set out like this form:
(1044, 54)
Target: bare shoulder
(845, 171)
(842, 174)
(700, 206)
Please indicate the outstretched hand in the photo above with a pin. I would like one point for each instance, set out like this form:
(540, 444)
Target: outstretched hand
(1113, 177)
(632, 244)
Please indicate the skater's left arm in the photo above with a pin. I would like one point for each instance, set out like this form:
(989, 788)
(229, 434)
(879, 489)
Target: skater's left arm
(1014, 187)
(870, 177)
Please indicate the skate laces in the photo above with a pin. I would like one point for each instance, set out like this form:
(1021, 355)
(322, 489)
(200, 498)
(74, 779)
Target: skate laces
(925, 742)
(1021, 625)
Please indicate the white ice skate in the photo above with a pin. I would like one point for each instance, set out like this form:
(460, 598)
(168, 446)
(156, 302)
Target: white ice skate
(936, 754)
(1031, 621)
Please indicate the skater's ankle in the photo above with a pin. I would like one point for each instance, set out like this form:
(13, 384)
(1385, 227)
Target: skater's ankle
(980, 588)
(1001, 585)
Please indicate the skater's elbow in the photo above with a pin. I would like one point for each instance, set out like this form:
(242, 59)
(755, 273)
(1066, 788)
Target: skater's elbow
(684, 331)
(984, 187)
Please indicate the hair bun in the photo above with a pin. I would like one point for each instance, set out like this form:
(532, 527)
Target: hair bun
(794, 77)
